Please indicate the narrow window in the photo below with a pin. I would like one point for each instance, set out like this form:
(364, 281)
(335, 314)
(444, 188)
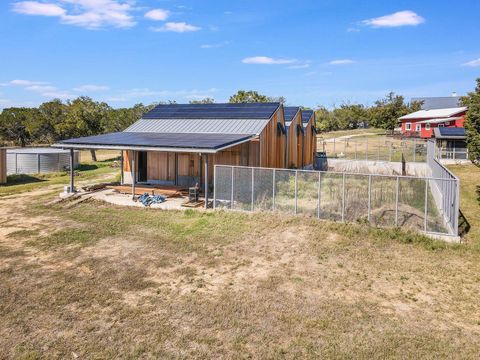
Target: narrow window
(408, 126)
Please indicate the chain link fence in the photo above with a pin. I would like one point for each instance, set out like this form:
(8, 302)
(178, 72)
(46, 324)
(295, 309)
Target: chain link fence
(375, 148)
(428, 204)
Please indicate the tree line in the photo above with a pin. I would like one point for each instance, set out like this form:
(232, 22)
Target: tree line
(383, 114)
(56, 120)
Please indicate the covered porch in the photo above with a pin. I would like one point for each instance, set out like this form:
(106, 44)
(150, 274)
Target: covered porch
(178, 161)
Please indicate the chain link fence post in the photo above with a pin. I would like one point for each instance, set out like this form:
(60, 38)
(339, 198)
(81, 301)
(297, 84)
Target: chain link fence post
(319, 192)
(414, 150)
(273, 190)
(426, 205)
(343, 198)
(231, 195)
(369, 197)
(296, 190)
(396, 201)
(214, 187)
(253, 189)
(366, 149)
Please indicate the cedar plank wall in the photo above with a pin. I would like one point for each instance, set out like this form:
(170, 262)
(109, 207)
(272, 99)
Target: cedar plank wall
(273, 146)
(293, 142)
(161, 165)
(310, 141)
(301, 149)
(3, 166)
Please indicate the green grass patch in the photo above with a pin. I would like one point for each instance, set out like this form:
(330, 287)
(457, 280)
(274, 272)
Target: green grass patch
(86, 172)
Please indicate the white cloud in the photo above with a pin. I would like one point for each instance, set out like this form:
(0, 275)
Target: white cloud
(299, 66)
(157, 14)
(215, 45)
(473, 63)
(341, 62)
(400, 18)
(38, 8)
(91, 88)
(353, 29)
(265, 60)
(41, 88)
(179, 27)
(90, 14)
(142, 93)
(63, 95)
(26, 82)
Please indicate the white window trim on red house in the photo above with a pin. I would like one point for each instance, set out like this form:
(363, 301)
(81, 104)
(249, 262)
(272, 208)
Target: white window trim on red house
(418, 127)
(408, 126)
(427, 126)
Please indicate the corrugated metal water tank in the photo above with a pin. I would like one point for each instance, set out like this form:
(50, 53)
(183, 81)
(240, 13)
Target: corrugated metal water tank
(39, 160)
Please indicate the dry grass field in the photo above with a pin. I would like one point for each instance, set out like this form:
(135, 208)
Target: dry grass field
(99, 281)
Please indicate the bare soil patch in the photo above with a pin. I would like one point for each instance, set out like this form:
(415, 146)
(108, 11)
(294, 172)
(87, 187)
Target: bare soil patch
(99, 281)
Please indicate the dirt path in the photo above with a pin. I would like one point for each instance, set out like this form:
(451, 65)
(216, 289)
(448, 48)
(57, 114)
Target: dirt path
(349, 137)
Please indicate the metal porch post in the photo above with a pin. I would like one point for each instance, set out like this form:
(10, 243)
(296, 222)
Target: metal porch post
(122, 175)
(72, 165)
(133, 170)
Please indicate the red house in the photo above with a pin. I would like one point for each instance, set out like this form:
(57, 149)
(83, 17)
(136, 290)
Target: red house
(421, 123)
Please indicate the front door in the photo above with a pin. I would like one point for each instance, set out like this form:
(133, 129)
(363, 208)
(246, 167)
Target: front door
(142, 166)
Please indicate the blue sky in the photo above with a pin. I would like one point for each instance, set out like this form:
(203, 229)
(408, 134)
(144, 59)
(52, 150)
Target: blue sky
(312, 52)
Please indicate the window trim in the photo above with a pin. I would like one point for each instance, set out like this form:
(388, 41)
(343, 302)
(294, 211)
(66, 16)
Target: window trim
(408, 126)
(427, 126)
(418, 127)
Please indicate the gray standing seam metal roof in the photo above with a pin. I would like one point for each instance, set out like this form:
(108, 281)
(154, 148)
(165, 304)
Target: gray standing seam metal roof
(439, 102)
(199, 126)
(154, 140)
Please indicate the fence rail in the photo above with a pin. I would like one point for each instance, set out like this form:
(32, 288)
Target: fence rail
(428, 204)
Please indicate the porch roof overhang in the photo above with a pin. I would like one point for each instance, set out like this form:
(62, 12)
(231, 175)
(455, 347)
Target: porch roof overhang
(173, 142)
(438, 121)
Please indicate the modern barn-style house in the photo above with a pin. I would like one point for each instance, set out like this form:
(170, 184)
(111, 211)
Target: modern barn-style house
(423, 122)
(310, 136)
(180, 144)
(295, 139)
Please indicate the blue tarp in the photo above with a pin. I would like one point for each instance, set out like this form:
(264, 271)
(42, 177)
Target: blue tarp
(147, 199)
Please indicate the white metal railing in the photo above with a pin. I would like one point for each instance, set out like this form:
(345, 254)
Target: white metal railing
(445, 188)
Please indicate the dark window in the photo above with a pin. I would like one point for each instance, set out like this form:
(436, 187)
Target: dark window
(142, 166)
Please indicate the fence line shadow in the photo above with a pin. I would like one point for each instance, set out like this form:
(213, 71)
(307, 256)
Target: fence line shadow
(463, 224)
